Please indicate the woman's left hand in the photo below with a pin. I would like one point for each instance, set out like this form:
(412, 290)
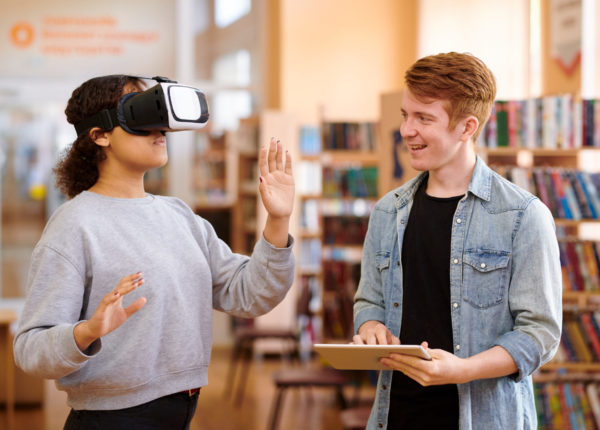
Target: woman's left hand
(276, 180)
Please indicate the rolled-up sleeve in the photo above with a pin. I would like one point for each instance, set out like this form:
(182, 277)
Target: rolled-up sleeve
(535, 294)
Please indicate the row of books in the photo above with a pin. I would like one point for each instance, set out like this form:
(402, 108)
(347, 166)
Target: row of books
(580, 339)
(545, 122)
(348, 230)
(340, 279)
(567, 405)
(580, 265)
(568, 193)
(348, 136)
(341, 276)
(349, 182)
(338, 322)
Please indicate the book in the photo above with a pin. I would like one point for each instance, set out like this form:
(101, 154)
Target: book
(591, 333)
(582, 201)
(591, 192)
(578, 341)
(563, 206)
(574, 265)
(592, 395)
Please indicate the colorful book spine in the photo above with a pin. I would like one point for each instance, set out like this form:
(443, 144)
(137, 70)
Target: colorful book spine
(561, 121)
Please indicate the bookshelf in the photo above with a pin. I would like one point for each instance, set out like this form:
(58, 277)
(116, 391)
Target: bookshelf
(211, 177)
(246, 144)
(548, 146)
(339, 185)
(248, 213)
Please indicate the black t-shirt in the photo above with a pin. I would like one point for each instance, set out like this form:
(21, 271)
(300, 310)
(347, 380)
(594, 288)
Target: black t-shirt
(426, 313)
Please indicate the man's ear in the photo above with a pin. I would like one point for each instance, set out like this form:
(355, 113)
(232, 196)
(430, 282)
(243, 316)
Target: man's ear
(470, 125)
(99, 136)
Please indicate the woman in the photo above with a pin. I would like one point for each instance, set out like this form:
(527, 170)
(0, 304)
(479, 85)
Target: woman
(122, 283)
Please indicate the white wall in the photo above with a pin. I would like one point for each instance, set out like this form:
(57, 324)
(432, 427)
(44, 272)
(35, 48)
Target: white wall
(340, 56)
(495, 31)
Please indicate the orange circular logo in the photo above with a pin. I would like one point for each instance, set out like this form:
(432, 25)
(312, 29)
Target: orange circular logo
(21, 34)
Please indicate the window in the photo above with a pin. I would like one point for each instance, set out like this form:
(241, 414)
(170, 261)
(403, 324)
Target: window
(232, 69)
(229, 11)
(230, 72)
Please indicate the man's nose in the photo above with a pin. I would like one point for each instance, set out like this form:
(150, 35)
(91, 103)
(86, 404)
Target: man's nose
(407, 128)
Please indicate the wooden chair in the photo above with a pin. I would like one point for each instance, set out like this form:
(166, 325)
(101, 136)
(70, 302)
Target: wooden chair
(299, 378)
(355, 418)
(244, 338)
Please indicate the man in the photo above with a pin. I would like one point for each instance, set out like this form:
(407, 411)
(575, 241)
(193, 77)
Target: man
(461, 261)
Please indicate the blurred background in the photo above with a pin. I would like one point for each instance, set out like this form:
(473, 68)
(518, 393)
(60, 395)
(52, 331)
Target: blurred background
(298, 70)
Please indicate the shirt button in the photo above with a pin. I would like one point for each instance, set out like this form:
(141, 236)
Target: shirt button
(458, 347)
(483, 265)
(458, 220)
(396, 304)
(383, 387)
(455, 261)
(455, 305)
(380, 425)
(399, 263)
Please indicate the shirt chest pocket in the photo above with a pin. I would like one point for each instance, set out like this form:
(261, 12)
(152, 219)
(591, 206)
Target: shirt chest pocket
(382, 260)
(485, 277)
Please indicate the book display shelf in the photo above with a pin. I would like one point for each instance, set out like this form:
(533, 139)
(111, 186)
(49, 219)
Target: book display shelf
(245, 211)
(551, 147)
(211, 159)
(248, 213)
(338, 186)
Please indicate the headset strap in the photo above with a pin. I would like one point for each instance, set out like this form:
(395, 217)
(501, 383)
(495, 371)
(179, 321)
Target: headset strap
(106, 119)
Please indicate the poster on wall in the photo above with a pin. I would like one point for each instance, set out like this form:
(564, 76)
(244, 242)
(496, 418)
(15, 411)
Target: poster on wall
(71, 38)
(565, 33)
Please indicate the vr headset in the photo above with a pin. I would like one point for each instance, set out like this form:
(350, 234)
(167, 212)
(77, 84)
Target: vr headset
(166, 106)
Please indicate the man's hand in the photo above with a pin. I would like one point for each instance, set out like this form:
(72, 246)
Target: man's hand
(447, 368)
(444, 367)
(110, 313)
(373, 333)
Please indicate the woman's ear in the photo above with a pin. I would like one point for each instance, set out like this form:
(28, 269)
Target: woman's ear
(99, 136)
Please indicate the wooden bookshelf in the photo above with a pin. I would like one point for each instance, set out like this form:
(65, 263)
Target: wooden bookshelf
(212, 181)
(576, 231)
(348, 186)
(248, 213)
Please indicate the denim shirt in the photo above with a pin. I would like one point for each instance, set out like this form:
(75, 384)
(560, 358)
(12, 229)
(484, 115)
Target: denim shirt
(505, 289)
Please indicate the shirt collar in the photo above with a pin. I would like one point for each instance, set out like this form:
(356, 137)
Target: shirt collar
(480, 185)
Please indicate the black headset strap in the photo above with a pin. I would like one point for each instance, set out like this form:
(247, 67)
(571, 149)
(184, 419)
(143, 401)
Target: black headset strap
(106, 119)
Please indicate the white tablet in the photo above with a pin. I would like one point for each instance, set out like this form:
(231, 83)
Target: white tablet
(365, 357)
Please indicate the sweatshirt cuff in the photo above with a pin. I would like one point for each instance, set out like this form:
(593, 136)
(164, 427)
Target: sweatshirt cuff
(71, 352)
(290, 242)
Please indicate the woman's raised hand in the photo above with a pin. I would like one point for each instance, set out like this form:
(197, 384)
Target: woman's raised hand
(110, 314)
(276, 180)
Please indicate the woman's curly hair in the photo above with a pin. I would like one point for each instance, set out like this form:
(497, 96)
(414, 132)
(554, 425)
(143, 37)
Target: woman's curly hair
(77, 170)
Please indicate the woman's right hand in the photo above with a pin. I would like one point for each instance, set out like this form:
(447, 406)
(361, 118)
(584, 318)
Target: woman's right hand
(110, 313)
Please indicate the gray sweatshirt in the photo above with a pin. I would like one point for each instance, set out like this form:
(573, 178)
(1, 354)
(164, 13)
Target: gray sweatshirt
(88, 245)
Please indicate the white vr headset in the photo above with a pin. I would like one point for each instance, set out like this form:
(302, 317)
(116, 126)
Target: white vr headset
(166, 106)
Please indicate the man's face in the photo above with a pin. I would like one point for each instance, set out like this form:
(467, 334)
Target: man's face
(425, 132)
